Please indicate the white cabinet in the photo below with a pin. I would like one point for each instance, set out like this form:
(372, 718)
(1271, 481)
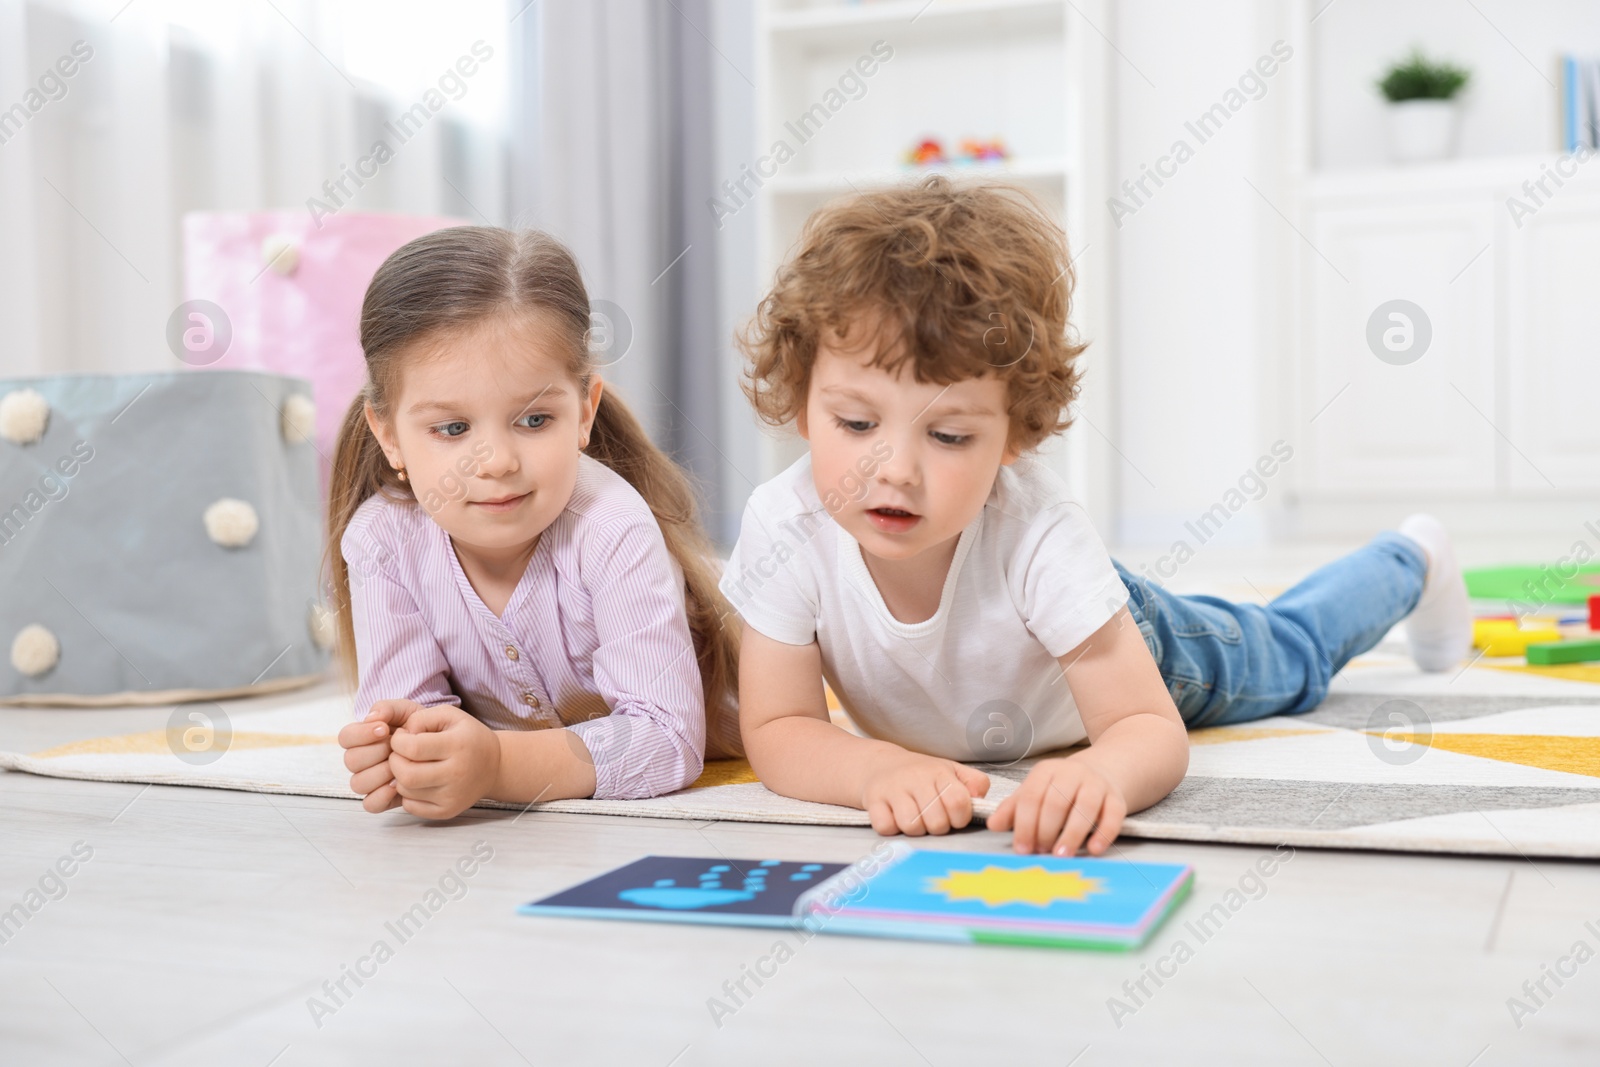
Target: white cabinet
(1552, 348)
(1502, 403)
(1380, 427)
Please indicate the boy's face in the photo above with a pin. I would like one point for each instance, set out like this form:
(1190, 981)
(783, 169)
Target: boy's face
(902, 465)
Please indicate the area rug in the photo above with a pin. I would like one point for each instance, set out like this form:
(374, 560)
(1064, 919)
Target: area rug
(1490, 760)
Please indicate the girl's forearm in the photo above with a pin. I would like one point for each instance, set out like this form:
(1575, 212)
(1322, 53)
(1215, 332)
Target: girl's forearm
(538, 765)
(809, 759)
(1146, 755)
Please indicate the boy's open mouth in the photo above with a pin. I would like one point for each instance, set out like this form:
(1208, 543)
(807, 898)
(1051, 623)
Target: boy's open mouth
(893, 520)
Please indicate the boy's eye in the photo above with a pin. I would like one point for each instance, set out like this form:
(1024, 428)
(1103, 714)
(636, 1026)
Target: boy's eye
(854, 425)
(450, 429)
(533, 422)
(950, 438)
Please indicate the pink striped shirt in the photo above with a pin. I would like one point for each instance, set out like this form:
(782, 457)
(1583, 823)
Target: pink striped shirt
(593, 639)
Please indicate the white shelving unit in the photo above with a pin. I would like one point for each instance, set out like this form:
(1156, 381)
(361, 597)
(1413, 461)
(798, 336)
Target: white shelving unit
(1017, 70)
(1492, 427)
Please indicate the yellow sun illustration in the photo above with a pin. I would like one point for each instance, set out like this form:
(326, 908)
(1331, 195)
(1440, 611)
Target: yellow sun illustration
(1026, 885)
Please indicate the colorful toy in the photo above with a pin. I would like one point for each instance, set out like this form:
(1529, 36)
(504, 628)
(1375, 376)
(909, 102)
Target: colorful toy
(927, 153)
(1536, 587)
(1594, 613)
(973, 151)
(1563, 652)
(1483, 629)
(159, 538)
(930, 153)
(1515, 642)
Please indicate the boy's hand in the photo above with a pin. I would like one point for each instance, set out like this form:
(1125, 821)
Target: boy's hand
(1057, 805)
(366, 745)
(914, 794)
(444, 761)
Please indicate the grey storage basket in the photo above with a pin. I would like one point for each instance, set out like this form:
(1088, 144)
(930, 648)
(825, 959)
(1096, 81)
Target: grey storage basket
(125, 572)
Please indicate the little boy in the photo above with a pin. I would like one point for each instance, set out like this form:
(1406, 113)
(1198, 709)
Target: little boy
(939, 578)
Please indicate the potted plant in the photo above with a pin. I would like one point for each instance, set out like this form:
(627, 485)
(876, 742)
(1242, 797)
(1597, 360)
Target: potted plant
(1423, 112)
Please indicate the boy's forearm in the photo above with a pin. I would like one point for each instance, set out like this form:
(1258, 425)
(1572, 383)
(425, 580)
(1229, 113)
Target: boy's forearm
(808, 759)
(540, 765)
(1146, 755)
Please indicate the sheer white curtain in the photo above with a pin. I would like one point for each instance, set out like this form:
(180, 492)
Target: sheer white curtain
(216, 104)
(594, 119)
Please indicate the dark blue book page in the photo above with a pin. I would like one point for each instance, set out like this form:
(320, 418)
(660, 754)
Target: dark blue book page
(691, 889)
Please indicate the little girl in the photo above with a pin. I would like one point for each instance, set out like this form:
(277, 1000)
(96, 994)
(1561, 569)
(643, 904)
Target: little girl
(526, 603)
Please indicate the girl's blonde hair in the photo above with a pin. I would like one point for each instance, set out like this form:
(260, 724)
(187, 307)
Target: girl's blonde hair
(459, 277)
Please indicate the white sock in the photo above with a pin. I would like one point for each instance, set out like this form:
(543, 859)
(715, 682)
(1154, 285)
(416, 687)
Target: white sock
(1439, 628)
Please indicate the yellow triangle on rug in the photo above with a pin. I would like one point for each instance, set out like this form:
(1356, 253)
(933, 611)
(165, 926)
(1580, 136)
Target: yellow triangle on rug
(155, 742)
(1575, 755)
(1572, 672)
(724, 772)
(1217, 735)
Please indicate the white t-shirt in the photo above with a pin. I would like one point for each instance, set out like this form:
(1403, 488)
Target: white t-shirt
(979, 680)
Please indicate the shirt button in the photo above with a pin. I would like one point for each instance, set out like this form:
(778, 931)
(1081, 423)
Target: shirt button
(511, 652)
(530, 700)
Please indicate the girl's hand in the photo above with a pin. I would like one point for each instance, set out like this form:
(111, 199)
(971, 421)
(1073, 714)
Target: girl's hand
(914, 794)
(444, 761)
(366, 745)
(1057, 805)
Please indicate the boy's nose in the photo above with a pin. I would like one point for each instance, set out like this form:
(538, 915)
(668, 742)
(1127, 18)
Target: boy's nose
(900, 466)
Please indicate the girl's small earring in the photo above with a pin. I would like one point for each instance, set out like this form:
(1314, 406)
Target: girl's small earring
(400, 472)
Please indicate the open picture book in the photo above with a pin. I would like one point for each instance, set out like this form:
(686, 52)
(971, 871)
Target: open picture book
(896, 891)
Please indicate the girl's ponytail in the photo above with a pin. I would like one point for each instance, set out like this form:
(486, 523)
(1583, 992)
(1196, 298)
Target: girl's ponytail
(617, 440)
(359, 470)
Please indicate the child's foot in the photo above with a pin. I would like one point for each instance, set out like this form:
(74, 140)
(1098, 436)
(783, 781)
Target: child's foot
(1439, 628)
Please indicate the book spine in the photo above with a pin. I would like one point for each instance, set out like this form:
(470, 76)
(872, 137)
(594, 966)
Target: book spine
(850, 883)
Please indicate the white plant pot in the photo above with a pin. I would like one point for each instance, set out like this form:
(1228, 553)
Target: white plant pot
(1422, 130)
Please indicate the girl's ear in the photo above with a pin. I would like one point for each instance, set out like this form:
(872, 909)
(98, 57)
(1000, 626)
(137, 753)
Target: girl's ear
(591, 404)
(385, 436)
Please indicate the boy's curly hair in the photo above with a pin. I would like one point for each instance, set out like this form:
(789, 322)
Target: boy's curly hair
(961, 280)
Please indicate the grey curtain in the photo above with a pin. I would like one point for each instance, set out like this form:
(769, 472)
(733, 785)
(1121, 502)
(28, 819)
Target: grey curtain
(612, 150)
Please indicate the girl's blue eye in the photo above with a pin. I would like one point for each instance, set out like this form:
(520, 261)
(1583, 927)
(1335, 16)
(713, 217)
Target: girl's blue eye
(542, 419)
(450, 429)
(853, 425)
(950, 438)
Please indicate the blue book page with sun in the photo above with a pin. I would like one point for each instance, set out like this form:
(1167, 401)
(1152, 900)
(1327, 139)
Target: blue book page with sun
(999, 890)
(690, 889)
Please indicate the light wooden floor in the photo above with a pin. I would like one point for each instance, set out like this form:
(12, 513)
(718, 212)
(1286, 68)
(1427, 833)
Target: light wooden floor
(205, 920)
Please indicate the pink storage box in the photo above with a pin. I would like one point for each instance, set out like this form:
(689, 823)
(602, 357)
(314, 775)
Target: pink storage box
(291, 290)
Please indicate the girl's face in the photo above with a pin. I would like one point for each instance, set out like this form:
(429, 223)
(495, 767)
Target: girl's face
(488, 423)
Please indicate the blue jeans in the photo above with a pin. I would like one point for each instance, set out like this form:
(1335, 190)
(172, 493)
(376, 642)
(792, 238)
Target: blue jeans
(1225, 662)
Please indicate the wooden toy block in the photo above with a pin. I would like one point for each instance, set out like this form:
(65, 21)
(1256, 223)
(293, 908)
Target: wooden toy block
(1563, 652)
(1516, 642)
(1483, 630)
